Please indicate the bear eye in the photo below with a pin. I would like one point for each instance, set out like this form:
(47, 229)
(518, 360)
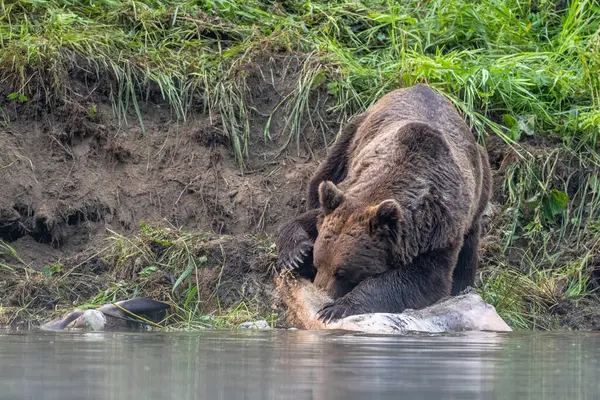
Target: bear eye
(340, 273)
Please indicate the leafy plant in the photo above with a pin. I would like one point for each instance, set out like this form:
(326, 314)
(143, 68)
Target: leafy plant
(51, 270)
(17, 96)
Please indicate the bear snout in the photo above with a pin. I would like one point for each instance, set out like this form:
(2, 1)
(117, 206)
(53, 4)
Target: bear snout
(334, 287)
(327, 283)
(322, 280)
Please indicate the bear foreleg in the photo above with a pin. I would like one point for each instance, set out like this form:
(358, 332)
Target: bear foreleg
(294, 243)
(419, 284)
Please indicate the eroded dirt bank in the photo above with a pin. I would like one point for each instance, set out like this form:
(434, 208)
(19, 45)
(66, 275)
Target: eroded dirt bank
(72, 177)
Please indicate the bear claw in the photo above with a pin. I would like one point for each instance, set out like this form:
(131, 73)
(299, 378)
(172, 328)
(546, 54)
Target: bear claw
(293, 258)
(333, 312)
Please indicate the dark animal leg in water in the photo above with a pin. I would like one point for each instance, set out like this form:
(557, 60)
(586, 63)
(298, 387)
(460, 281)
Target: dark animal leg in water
(63, 323)
(112, 315)
(414, 286)
(139, 306)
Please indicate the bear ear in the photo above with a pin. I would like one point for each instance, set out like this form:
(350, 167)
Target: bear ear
(386, 217)
(330, 197)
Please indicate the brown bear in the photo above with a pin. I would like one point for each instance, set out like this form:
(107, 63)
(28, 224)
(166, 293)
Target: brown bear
(395, 209)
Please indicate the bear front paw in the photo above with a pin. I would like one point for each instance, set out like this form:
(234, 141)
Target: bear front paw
(337, 310)
(293, 252)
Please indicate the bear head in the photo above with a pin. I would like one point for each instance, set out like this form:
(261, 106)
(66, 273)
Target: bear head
(355, 240)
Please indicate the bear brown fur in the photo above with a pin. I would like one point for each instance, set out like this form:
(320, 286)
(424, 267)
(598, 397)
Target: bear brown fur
(395, 210)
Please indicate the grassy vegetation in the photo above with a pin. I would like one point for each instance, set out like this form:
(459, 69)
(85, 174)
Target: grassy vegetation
(531, 67)
(545, 262)
(211, 281)
(207, 282)
(526, 71)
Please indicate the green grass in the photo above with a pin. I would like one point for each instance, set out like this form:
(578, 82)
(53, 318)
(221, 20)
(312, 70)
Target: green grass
(515, 68)
(7, 251)
(523, 70)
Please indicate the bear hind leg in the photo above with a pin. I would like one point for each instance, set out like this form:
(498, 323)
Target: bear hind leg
(466, 266)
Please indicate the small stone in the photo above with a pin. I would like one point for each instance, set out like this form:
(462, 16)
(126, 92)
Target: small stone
(261, 324)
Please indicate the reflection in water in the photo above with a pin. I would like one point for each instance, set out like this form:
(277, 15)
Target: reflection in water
(297, 365)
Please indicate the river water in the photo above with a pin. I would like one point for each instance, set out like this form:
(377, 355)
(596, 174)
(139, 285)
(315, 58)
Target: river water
(298, 365)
